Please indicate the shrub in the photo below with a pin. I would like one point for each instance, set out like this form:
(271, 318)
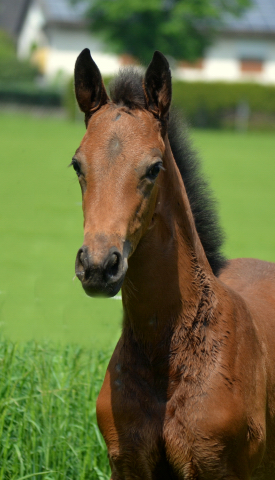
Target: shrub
(12, 69)
(29, 94)
(216, 104)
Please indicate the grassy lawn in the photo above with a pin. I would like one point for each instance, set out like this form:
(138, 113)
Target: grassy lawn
(41, 224)
(241, 170)
(41, 231)
(48, 424)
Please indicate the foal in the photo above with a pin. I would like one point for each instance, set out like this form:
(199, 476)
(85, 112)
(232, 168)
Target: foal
(189, 391)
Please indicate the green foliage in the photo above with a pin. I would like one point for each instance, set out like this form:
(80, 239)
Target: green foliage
(179, 28)
(7, 47)
(69, 101)
(214, 104)
(12, 69)
(28, 93)
(47, 412)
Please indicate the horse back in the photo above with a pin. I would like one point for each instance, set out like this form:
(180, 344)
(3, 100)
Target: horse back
(254, 281)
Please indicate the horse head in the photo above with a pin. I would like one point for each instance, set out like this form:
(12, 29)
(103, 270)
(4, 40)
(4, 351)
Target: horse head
(119, 165)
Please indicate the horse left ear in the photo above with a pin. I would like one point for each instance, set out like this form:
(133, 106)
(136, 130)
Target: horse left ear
(158, 86)
(89, 88)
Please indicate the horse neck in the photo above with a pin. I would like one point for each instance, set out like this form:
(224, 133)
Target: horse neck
(168, 277)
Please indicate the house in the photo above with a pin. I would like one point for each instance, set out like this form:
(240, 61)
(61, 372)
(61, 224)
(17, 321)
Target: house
(243, 50)
(55, 31)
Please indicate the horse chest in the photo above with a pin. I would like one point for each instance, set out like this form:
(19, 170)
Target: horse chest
(166, 437)
(138, 424)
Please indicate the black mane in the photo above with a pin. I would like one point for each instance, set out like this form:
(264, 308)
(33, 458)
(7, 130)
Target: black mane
(126, 89)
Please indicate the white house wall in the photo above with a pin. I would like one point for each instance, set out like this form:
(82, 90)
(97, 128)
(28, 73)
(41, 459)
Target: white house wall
(65, 46)
(270, 65)
(222, 61)
(32, 32)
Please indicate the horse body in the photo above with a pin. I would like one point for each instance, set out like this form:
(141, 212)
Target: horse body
(189, 391)
(254, 280)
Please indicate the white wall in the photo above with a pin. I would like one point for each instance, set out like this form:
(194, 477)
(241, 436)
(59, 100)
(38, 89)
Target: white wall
(32, 31)
(222, 61)
(65, 46)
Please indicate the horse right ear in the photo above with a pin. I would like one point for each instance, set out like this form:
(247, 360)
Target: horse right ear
(158, 86)
(89, 88)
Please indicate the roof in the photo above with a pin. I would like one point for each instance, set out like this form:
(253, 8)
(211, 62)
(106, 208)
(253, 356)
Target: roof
(12, 14)
(64, 11)
(258, 19)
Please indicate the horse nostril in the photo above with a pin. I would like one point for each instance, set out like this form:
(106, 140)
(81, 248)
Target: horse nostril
(113, 264)
(81, 263)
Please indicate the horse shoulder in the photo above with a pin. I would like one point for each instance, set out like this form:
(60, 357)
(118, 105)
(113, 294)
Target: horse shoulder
(104, 410)
(254, 280)
(130, 419)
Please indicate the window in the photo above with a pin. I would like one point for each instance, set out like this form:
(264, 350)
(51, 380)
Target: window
(251, 65)
(197, 65)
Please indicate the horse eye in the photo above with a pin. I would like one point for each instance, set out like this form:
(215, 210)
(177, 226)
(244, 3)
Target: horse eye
(76, 167)
(153, 171)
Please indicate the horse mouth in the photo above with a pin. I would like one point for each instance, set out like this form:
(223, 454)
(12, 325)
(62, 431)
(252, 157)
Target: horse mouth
(104, 278)
(94, 287)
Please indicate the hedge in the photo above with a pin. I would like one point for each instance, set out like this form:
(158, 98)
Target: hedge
(217, 104)
(30, 94)
(212, 105)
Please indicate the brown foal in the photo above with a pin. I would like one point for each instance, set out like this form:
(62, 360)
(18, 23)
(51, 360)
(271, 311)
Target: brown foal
(189, 393)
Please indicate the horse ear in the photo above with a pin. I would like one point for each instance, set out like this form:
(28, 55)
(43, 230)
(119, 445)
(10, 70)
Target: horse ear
(89, 88)
(158, 86)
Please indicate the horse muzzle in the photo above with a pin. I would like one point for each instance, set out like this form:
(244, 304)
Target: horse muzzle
(103, 278)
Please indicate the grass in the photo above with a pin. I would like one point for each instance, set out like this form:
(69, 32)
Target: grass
(41, 231)
(241, 170)
(48, 424)
(41, 224)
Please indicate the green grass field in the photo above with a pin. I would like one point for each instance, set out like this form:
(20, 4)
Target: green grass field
(48, 386)
(48, 424)
(41, 224)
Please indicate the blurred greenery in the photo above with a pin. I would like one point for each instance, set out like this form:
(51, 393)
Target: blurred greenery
(12, 69)
(215, 104)
(179, 28)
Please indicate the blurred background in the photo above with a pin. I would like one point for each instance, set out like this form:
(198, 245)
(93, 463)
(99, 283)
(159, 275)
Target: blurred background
(222, 56)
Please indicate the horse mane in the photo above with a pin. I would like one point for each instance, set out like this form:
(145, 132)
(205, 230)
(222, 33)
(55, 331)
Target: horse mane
(127, 89)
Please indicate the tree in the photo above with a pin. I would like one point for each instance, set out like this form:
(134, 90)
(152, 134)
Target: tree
(179, 28)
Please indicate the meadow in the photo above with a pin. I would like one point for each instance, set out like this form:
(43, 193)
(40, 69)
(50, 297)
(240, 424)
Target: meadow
(55, 341)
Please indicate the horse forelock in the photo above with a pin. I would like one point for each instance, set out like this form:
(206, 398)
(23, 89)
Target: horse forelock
(127, 89)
